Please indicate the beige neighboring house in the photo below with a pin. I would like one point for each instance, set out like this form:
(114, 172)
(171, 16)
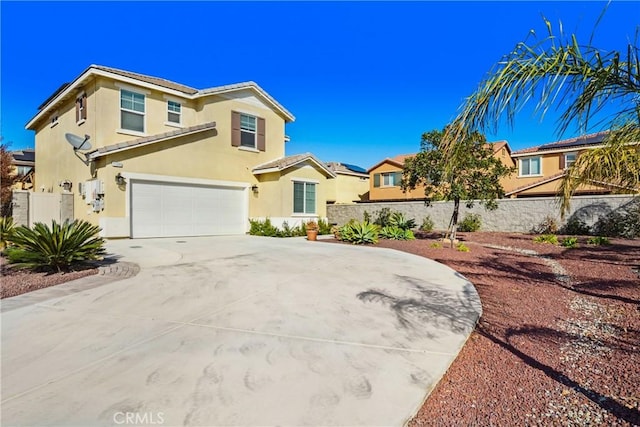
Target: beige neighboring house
(24, 162)
(350, 185)
(147, 157)
(542, 168)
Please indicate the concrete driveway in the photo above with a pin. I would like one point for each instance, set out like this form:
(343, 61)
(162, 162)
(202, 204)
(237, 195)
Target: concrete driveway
(238, 331)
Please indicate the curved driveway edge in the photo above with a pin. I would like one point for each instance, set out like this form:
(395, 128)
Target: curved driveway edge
(240, 330)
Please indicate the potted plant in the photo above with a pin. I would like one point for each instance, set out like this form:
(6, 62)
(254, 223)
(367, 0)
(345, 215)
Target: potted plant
(312, 230)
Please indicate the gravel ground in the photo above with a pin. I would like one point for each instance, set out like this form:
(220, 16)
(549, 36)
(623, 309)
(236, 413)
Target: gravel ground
(559, 339)
(16, 282)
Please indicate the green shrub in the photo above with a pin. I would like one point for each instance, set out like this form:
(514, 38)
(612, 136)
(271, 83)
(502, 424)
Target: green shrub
(435, 245)
(359, 233)
(623, 223)
(262, 228)
(547, 226)
(398, 219)
(569, 242)
(6, 229)
(546, 238)
(577, 227)
(461, 247)
(427, 224)
(396, 233)
(58, 247)
(598, 241)
(471, 222)
(383, 217)
(324, 227)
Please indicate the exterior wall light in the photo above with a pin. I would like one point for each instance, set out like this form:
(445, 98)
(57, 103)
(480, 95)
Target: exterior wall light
(254, 188)
(120, 180)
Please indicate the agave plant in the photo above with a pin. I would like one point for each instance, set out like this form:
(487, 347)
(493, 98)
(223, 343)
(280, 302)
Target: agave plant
(396, 233)
(359, 233)
(6, 229)
(399, 220)
(58, 247)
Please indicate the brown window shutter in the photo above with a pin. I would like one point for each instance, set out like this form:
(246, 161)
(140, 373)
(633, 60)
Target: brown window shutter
(83, 100)
(562, 163)
(261, 134)
(235, 129)
(376, 180)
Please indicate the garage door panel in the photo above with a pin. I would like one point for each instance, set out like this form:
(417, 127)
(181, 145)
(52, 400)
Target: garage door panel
(160, 209)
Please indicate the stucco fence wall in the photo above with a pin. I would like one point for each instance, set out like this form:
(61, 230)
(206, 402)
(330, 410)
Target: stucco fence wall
(517, 215)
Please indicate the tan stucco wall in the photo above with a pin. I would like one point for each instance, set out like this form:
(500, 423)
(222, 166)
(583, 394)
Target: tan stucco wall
(552, 187)
(275, 197)
(347, 188)
(386, 193)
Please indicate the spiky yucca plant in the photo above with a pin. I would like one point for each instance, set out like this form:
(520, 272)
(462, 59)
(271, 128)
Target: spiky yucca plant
(56, 248)
(6, 229)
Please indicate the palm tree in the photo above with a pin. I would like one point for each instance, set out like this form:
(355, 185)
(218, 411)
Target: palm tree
(558, 71)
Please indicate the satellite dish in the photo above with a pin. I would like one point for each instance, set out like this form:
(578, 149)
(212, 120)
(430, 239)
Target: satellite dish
(78, 142)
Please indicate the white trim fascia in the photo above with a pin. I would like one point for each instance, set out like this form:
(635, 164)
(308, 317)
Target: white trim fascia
(320, 165)
(138, 83)
(256, 89)
(177, 99)
(270, 170)
(559, 150)
(360, 175)
(310, 180)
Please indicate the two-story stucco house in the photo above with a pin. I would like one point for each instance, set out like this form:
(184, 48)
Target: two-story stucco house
(541, 168)
(147, 157)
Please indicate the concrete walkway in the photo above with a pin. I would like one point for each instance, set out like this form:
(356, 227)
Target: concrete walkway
(237, 331)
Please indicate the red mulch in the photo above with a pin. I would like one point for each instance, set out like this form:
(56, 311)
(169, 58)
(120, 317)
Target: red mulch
(17, 282)
(545, 351)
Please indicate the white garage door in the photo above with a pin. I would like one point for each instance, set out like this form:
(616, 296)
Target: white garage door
(161, 209)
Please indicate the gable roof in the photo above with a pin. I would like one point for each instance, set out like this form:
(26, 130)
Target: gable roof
(70, 89)
(347, 169)
(396, 161)
(283, 163)
(569, 144)
(152, 139)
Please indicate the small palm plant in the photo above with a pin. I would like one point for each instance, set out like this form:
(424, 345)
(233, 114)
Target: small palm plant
(55, 248)
(6, 229)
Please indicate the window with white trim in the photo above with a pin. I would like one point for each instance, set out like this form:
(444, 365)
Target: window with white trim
(569, 159)
(304, 197)
(132, 110)
(391, 179)
(174, 112)
(248, 131)
(530, 166)
(81, 108)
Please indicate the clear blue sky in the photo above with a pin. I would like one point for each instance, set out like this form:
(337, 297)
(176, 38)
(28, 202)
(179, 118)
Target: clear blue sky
(364, 80)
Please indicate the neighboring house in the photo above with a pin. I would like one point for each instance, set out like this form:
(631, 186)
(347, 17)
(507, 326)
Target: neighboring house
(154, 158)
(385, 177)
(350, 185)
(24, 162)
(541, 169)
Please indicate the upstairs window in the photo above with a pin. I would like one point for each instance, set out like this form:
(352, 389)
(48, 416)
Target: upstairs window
(569, 159)
(174, 112)
(54, 119)
(132, 111)
(530, 166)
(81, 108)
(304, 197)
(247, 131)
(387, 179)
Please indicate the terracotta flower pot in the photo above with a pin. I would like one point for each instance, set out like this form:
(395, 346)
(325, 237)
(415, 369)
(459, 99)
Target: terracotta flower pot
(312, 235)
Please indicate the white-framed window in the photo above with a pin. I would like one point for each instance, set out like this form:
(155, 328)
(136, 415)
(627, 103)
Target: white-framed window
(23, 170)
(174, 112)
(569, 159)
(391, 179)
(530, 166)
(248, 131)
(81, 108)
(304, 197)
(132, 109)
